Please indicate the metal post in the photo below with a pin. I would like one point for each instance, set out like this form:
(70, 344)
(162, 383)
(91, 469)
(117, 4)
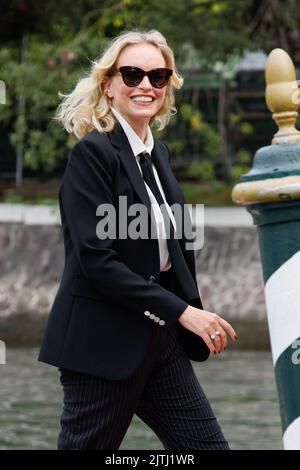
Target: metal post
(271, 192)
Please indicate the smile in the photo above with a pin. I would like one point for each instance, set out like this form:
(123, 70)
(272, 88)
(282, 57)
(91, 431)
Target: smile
(142, 99)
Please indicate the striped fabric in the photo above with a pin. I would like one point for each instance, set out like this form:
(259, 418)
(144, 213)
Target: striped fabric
(164, 392)
(283, 299)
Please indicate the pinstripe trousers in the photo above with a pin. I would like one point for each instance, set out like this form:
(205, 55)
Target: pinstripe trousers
(164, 392)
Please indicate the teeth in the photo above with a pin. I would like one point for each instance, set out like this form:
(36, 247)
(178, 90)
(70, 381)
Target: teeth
(142, 98)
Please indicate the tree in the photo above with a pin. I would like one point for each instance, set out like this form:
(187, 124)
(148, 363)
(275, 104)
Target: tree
(62, 38)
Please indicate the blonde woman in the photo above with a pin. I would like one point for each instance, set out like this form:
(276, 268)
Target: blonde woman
(127, 317)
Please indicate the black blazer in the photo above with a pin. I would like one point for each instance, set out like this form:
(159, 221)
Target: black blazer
(109, 300)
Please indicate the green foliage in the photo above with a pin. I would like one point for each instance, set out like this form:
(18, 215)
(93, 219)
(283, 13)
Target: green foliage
(211, 194)
(242, 165)
(243, 127)
(203, 171)
(211, 140)
(43, 152)
(246, 128)
(63, 37)
(238, 171)
(209, 137)
(215, 26)
(50, 68)
(177, 147)
(244, 156)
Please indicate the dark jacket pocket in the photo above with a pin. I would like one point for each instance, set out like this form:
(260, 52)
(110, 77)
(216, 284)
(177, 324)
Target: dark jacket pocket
(83, 288)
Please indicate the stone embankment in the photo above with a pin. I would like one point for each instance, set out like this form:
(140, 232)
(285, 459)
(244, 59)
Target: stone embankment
(32, 258)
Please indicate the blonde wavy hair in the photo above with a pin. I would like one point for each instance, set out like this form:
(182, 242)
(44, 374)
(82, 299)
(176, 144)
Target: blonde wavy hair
(87, 107)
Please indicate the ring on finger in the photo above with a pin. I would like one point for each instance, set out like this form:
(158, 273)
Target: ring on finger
(215, 335)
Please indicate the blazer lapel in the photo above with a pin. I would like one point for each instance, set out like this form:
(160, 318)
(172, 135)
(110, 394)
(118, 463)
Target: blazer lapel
(174, 195)
(119, 140)
(159, 157)
(169, 183)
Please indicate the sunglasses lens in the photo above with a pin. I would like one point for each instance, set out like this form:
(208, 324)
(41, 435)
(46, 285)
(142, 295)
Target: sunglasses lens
(159, 78)
(132, 77)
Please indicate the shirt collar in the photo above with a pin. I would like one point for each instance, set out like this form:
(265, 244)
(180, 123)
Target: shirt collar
(137, 145)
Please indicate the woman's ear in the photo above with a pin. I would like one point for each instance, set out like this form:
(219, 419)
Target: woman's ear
(106, 87)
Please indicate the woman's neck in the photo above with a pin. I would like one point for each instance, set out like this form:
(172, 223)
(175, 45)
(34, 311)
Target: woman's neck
(140, 126)
(140, 130)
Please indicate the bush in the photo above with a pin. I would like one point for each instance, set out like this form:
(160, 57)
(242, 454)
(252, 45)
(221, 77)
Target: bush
(203, 171)
(238, 171)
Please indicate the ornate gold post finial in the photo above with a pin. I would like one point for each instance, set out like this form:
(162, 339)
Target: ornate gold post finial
(282, 96)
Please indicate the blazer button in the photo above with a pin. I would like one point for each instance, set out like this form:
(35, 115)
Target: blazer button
(151, 279)
(161, 322)
(147, 313)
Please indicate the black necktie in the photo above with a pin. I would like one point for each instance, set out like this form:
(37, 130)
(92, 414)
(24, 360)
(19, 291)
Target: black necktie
(183, 274)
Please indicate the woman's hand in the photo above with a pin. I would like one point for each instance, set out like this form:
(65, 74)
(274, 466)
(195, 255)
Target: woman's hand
(212, 328)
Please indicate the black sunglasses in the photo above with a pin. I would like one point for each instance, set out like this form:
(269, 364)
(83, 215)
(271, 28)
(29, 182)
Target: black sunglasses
(132, 76)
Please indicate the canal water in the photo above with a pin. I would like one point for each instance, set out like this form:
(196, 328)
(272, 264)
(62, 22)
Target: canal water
(240, 386)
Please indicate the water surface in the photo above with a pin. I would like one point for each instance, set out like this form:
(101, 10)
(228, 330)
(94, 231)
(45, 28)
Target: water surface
(239, 384)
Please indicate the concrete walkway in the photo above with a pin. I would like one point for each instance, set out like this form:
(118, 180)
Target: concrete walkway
(49, 215)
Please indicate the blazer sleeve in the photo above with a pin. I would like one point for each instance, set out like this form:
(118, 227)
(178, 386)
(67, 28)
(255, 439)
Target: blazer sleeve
(87, 182)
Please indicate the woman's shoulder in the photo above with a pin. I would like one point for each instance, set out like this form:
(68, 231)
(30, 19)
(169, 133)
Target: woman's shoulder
(163, 147)
(93, 148)
(94, 142)
(93, 138)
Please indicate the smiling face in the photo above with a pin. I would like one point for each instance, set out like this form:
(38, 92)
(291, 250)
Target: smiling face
(125, 99)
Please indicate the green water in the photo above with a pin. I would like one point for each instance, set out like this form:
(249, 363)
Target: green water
(240, 386)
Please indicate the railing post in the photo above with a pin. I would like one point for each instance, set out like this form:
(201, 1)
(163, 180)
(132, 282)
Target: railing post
(271, 193)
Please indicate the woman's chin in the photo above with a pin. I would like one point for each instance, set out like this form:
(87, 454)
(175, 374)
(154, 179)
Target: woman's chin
(144, 112)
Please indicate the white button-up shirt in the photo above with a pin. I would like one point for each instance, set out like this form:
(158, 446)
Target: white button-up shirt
(138, 146)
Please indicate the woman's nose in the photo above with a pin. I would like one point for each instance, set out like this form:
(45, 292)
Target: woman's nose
(145, 83)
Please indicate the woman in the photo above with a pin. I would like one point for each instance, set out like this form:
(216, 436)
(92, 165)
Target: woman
(127, 317)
